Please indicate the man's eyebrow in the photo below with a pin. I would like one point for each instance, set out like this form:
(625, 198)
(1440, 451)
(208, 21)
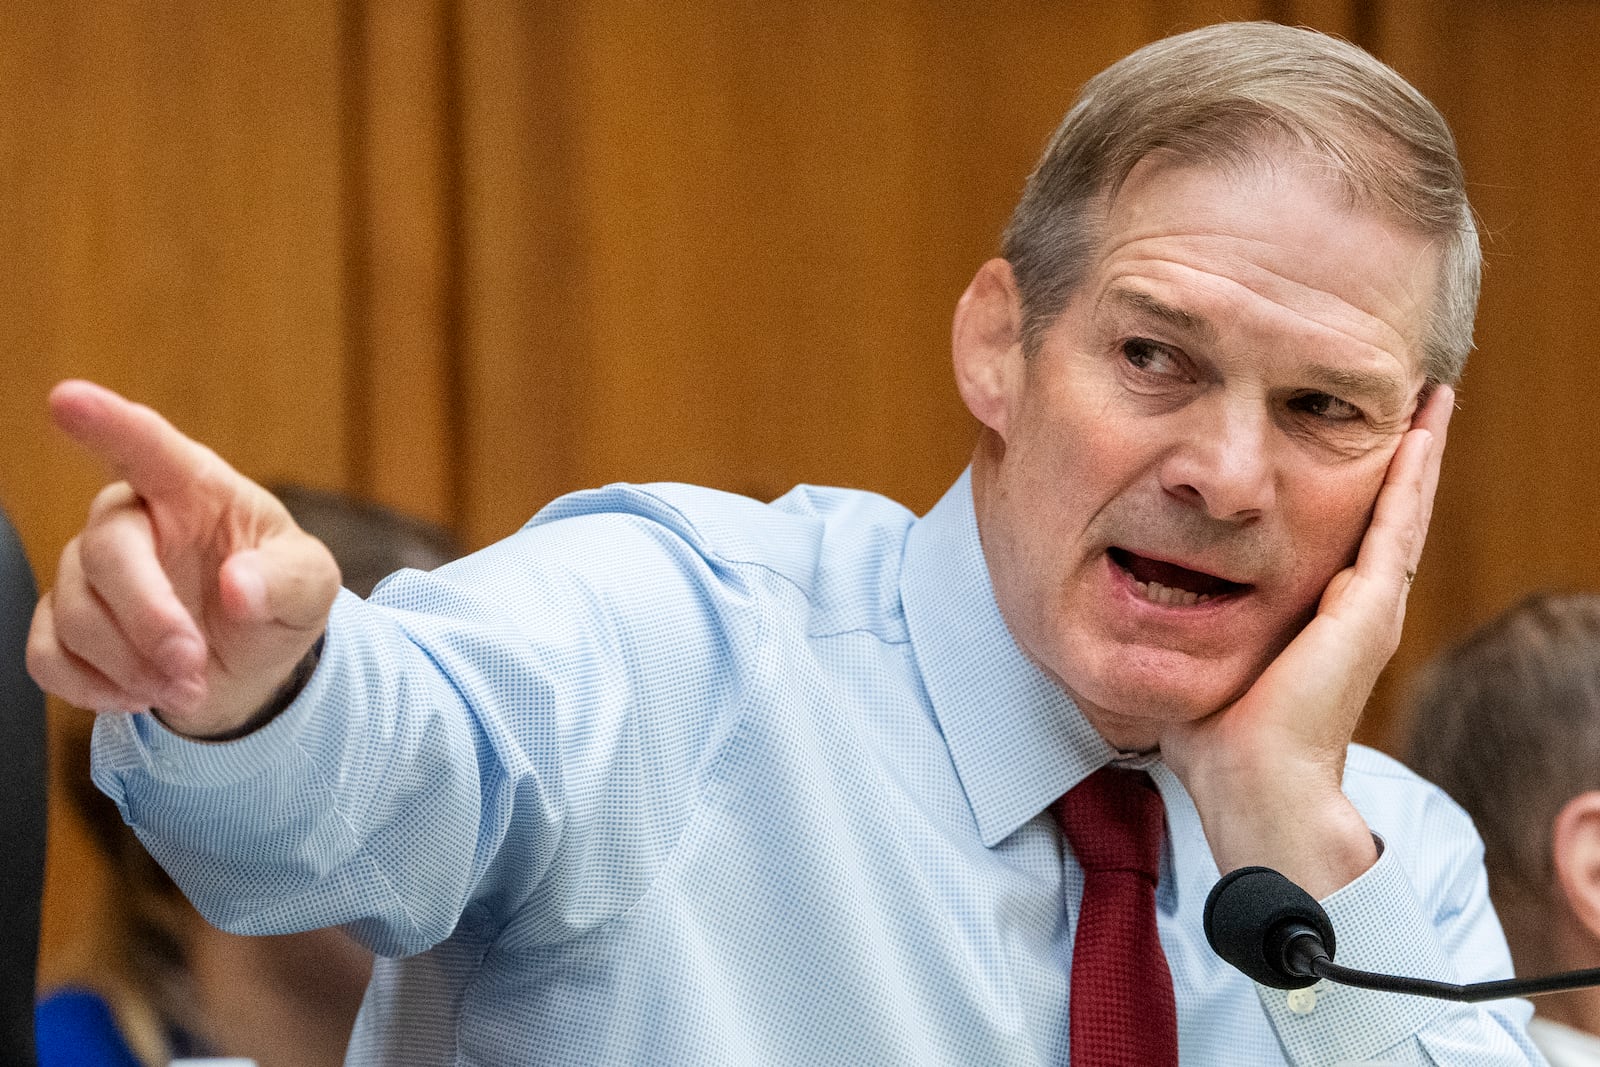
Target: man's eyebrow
(1177, 318)
(1344, 381)
(1373, 385)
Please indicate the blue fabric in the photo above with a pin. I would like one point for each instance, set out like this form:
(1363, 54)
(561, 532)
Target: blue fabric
(671, 776)
(75, 1028)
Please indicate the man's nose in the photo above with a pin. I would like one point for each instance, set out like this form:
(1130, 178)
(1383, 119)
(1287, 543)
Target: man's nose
(1222, 460)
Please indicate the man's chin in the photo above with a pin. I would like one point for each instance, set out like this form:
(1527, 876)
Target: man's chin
(1133, 713)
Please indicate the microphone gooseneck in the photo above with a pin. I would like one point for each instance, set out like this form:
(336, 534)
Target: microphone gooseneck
(1278, 935)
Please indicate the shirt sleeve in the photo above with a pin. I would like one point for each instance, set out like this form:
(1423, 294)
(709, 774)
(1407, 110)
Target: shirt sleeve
(522, 732)
(1429, 917)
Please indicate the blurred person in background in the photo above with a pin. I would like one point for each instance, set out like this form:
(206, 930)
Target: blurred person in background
(1508, 723)
(162, 983)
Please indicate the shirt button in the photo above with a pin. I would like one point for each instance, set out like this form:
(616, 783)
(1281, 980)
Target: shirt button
(1301, 1001)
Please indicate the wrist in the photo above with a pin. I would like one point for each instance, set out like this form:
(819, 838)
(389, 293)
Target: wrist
(270, 709)
(1310, 833)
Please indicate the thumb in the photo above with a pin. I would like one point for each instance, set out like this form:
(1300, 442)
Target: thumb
(289, 580)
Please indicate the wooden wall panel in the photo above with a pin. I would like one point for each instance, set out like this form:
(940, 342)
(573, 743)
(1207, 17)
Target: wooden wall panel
(523, 263)
(1517, 509)
(170, 175)
(401, 240)
(172, 229)
(722, 242)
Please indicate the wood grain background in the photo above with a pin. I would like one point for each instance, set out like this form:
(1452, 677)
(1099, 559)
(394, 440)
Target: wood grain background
(464, 255)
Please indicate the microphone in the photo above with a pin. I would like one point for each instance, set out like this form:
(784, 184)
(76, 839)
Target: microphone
(1278, 935)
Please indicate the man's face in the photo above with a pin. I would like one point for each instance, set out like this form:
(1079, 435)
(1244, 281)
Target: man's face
(1172, 479)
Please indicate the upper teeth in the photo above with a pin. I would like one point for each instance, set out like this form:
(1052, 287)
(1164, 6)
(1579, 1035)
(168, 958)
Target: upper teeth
(1157, 593)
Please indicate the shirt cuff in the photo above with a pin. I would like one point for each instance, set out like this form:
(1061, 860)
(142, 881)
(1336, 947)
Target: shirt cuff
(138, 742)
(1379, 926)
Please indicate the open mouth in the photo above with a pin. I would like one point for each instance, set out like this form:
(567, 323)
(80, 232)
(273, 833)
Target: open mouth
(1161, 582)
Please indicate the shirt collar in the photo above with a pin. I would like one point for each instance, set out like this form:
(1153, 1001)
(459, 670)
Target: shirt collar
(1017, 740)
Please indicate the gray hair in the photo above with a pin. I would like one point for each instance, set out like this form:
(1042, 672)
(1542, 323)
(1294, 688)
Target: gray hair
(1225, 94)
(1508, 723)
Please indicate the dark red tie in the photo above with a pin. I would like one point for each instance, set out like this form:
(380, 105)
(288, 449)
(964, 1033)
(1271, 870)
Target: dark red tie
(1122, 1010)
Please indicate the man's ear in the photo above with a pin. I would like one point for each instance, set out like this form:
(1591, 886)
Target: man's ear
(986, 345)
(1576, 844)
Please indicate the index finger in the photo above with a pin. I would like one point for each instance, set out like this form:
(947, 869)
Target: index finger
(1399, 526)
(1434, 416)
(144, 449)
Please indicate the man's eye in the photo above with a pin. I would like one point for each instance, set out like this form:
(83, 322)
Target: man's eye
(1323, 406)
(1149, 356)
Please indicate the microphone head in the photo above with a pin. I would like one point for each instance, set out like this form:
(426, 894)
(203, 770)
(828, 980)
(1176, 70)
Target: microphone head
(1251, 916)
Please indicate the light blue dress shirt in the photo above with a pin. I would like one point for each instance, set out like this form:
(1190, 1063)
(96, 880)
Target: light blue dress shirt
(671, 776)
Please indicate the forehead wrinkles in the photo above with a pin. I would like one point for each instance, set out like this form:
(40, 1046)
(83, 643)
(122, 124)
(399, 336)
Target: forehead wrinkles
(1283, 226)
(1224, 279)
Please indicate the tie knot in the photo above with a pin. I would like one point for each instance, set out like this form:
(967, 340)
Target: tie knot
(1112, 820)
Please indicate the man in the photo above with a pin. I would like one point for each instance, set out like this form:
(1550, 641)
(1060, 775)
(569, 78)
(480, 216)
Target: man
(671, 776)
(1508, 723)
